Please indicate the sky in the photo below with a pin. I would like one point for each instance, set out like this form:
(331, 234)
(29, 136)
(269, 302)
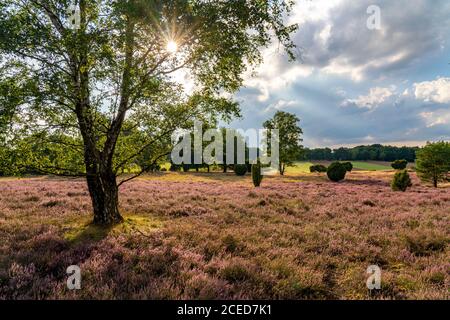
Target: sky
(352, 85)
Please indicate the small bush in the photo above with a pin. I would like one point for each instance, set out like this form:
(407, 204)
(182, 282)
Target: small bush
(425, 245)
(230, 243)
(317, 168)
(256, 175)
(32, 199)
(53, 203)
(399, 164)
(401, 181)
(336, 171)
(348, 166)
(236, 272)
(240, 169)
(369, 203)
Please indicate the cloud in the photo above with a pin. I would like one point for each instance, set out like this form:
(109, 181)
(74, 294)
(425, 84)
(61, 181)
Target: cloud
(393, 82)
(433, 91)
(338, 41)
(281, 105)
(436, 118)
(274, 75)
(375, 97)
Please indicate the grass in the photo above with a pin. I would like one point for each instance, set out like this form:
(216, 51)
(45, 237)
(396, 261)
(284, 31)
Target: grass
(370, 166)
(82, 230)
(299, 167)
(303, 167)
(215, 236)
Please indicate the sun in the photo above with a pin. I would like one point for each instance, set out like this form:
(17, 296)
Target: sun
(172, 46)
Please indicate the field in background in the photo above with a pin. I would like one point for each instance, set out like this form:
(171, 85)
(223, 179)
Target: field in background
(370, 166)
(303, 167)
(200, 236)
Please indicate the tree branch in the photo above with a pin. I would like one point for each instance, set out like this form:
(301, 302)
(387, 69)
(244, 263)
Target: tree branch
(143, 170)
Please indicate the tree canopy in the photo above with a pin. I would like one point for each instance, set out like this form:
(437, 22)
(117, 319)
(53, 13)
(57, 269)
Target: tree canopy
(375, 152)
(104, 89)
(289, 136)
(433, 162)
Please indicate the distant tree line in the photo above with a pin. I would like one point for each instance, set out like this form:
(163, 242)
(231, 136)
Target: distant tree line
(375, 152)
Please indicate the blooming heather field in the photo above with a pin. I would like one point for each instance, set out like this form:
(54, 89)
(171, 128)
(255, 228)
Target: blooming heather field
(189, 236)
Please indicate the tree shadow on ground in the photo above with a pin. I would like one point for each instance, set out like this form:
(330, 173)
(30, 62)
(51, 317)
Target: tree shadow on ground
(366, 182)
(87, 233)
(232, 177)
(301, 178)
(215, 176)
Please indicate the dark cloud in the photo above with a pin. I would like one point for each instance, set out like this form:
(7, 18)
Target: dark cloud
(411, 31)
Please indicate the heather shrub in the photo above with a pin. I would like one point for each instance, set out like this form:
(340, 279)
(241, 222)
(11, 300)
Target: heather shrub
(186, 211)
(336, 171)
(348, 166)
(32, 199)
(228, 239)
(369, 203)
(399, 164)
(317, 168)
(52, 203)
(236, 271)
(240, 169)
(437, 278)
(231, 243)
(401, 181)
(211, 249)
(424, 245)
(295, 288)
(204, 287)
(162, 262)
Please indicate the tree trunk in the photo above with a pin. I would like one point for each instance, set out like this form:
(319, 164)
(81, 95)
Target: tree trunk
(105, 197)
(281, 169)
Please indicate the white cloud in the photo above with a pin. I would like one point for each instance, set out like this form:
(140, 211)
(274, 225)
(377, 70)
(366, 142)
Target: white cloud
(375, 97)
(437, 91)
(341, 67)
(272, 76)
(306, 10)
(436, 118)
(344, 63)
(335, 39)
(369, 138)
(281, 104)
